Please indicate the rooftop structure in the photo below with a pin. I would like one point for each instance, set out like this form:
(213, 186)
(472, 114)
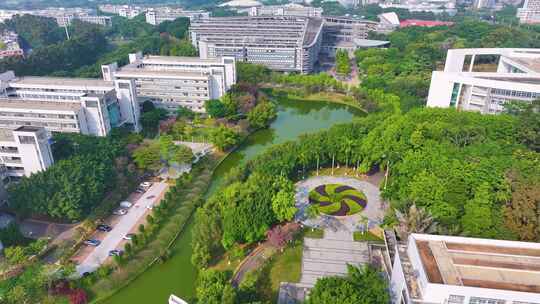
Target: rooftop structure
(87, 106)
(284, 43)
(424, 23)
(241, 3)
(457, 270)
(530, 12)
(290, 9)
(157, 15)
(170, 82)
(517, 78)
(434, 6)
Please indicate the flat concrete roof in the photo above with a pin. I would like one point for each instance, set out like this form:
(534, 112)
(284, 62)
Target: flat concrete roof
(530, 63)
(16, 103)
(58, 81)
(133, 72)
(177, 59)
(494, 266)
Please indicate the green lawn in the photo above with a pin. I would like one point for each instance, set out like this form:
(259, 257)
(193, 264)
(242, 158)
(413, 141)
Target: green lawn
(366, 237)
(313, 233)
(285, 267)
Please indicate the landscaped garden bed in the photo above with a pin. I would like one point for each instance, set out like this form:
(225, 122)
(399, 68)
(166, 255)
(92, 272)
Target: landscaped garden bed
(337, 199)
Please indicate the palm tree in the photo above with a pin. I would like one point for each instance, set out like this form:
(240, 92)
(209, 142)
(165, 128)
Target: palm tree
(415, 220)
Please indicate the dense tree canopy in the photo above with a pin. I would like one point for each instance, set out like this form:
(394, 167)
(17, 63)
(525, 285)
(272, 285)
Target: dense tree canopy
(36, 31)
(361, 286)
(84, 171)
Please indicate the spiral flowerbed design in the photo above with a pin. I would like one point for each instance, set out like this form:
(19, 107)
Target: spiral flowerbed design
(337, 199)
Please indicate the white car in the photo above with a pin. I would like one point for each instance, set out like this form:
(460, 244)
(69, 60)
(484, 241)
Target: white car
(126, 204)
(146, 184)
(120, 212)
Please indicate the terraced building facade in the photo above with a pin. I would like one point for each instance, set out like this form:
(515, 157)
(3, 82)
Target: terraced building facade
(282, 43)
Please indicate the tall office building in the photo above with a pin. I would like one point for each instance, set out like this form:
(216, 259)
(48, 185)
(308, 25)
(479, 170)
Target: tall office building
(517, 78)
(170, 82)
(283, 43)
(530, 12)
(86, 106)
(440, 269)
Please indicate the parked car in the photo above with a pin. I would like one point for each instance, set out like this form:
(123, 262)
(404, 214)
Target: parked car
(120, 212)
(116, 252)
(146, 184)
(128, 236)
(126, 204)
(140, 190)
(104, 227)
(92, 242)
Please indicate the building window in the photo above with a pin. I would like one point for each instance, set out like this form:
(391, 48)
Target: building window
(476, 300)
(453, 299)
(27, 140)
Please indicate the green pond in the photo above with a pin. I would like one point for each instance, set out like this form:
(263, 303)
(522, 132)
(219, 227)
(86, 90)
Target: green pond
(177, 275)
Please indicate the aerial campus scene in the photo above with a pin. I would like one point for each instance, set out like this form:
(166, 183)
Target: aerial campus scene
(270, 151)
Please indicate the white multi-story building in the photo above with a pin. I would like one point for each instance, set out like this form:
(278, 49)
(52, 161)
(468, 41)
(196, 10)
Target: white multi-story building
(530, 12)
(170, 82)
(23, 151)
(290, 9)
(157, 15)
(517, 78)
(439, 269)
(127, 11)
(86, 106)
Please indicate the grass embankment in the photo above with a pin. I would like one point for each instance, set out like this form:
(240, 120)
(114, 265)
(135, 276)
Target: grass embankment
(295, 94)
(283, 266)
(366, 237)
(189, 197)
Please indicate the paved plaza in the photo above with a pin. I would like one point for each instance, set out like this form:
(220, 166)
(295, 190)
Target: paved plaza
(330, 255)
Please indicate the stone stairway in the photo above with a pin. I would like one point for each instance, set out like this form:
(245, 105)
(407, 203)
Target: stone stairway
(329, 256)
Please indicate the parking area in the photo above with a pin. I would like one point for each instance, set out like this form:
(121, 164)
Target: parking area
(89, 258)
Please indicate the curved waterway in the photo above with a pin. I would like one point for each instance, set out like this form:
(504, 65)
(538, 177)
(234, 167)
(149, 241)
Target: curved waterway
(177, 275)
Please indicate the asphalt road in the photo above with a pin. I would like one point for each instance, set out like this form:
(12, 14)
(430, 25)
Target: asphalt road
(126, 223)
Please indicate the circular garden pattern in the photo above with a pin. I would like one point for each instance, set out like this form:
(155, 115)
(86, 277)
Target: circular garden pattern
(337, 199)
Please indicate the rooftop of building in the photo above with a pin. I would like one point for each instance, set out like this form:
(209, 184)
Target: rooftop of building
(530, 63)
(132, 70)
(150, 59)
(62, 82)
(424, 23)
(20, 103)
(6, 134)
(482, 263)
